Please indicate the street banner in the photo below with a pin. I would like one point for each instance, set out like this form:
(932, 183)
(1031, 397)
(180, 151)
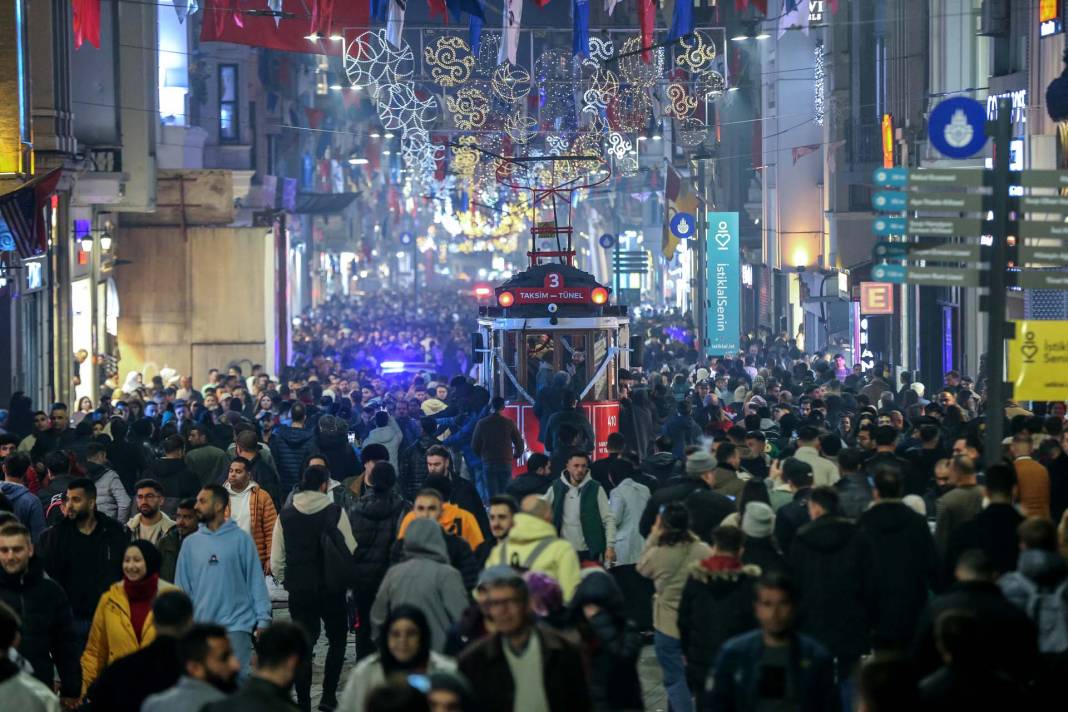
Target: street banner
(1038, 360)
(512, 18)
(723, 269)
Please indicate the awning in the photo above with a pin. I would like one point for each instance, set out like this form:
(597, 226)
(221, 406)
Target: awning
(323, 203)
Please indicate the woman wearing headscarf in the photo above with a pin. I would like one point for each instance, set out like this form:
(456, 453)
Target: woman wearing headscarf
(403, 649)
(123, 621)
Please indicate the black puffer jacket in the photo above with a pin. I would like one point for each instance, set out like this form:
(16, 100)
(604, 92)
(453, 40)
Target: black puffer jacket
(340, 457)
(834, 565)
(47, 626)
(412, 472)
(375, 519)
(906, 566)
(290, 447)
(612, 644)
(717, 604)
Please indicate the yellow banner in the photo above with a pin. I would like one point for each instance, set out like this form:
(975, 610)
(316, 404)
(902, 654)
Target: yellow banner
(1038, 360)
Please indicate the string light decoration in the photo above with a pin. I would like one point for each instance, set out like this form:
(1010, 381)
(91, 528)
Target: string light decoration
(680, 102)
(601, 86)
(818, 97)
(618, 146)
(465, 159)
(469, 108)
(520, 127)
(400, 109)
(510, 83)
(450, 61)
(696, 51)
(691, 132)
(630, 111)
(601, 50)
(633, 70)
(710, 84)
(373, 62)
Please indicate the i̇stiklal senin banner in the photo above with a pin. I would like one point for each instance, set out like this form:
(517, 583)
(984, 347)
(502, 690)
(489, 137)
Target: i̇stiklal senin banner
(723, 265)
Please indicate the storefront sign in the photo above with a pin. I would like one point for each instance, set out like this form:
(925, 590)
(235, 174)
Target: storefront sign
(876, 298)
(1019, 105)
(888, 141)
(1038, 360)
(723, 320)
(1049, 17)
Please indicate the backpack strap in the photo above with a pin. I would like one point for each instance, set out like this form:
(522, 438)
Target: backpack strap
(502, 559)
(537, 550)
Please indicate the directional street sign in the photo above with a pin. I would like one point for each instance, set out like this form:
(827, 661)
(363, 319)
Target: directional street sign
(1034, 228)
(885, 227)
(889, 201)
(957, 127)
(1043, 255)
(901, 177)
(946, 227)
(1044, 179)
(930, 276)
(926, 251)
(961, 203)
(1044, 204)
(1042, 280)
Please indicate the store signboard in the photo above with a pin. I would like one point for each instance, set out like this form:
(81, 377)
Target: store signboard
(876, 298)
(1049, 18)
(723, 315)
(1037, 359)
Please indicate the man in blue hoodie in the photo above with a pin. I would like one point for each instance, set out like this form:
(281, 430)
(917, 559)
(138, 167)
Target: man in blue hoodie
(220, 570)
(26, 505)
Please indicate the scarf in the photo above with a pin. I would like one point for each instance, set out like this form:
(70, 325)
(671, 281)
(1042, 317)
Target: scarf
(140, 594)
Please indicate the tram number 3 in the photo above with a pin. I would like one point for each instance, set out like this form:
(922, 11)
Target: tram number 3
(553, 280)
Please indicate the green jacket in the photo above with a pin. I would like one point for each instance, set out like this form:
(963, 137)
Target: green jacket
(593, 529)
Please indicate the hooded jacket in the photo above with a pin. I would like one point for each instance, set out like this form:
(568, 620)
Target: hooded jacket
(558, 559)
(112, 635)
(834, 566)
(27, 507)
(412, 471)
(308, 503)
(47, 626)
(289, 448)
(628, 501)
(716, 605)
(425, 580)
(1040, 572)
(389, 436)
(582, 515)
(906, 568)
(575, 418)
(612, 642)
(662, 465)
(341, 459)
(453, 520)
(111, 496)
(221, 572)
(261, 518)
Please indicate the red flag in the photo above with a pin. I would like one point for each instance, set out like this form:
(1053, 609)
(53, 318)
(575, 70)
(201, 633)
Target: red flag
(834, 7)
(437, 7)
(762, 5)
(800, 152)
(647, 20)
(86, 22)
(230, 22)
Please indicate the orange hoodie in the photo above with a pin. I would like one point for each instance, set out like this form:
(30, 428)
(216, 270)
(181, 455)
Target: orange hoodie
(453, 520)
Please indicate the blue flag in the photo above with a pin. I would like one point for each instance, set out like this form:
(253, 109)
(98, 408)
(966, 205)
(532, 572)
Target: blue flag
(580, 37)
(681, 20)
(378, 9)
(474, 29)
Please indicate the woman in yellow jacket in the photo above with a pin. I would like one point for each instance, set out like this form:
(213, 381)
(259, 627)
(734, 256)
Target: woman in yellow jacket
(123, 622)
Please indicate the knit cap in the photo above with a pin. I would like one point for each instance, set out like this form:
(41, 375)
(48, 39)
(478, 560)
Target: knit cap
(700, 462)
(758, 521)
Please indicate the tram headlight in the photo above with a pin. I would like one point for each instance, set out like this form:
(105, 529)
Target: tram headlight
(552, 308)
(505, 299)
(599, 296)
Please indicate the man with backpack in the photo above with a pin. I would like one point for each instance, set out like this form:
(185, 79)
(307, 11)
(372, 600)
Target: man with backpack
(1039, 585)
(532, 545)
(304, 545)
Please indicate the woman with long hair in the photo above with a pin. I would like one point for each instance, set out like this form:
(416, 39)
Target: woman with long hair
(404, 649)
(753, 491)
(85, 407)
(123, 621)
(669, 552)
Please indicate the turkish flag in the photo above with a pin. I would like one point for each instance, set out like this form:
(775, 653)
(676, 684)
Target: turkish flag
(232, 23)
(86, 22)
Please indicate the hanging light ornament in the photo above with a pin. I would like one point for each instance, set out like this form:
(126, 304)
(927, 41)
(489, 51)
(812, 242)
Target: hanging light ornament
(520, 127)
(680, 102)
(450, 60)
(510, 83)
(633, 70)
(696, 51)
(691, 132)
(469, 108)
(710, 84)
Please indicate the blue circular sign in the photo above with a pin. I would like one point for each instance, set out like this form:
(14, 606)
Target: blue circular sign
(406, 238)
(683, 226)
(957, 127)
(607, 241)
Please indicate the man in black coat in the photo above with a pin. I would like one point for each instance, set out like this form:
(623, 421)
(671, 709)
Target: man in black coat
(128, 681)
(906, 561)
(47, 625)
(993, 530)
(833, 563)
(794, 514)
(536, 480)
(83, 553)
(460, 492)
(717, 604)
(281, 651)
(707, 508)
(1009, 638)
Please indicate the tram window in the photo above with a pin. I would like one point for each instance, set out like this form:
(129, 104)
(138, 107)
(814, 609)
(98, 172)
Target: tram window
(540, 350)
(510, 357)
(573, 359)
(601, 390)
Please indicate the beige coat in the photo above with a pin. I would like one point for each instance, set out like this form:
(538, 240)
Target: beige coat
(669, 567)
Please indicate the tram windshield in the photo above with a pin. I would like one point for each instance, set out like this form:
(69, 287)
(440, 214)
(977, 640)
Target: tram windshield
(588, 356)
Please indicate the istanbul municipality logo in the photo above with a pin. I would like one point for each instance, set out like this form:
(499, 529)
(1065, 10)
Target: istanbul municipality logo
(958, 131)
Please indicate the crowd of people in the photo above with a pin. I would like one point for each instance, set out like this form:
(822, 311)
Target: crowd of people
(783, 531)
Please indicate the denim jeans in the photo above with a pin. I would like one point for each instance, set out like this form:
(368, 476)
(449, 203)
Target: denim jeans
(497, 476)
(241, 642)
(669, 655)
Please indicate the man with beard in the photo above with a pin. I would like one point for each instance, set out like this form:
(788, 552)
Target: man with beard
(128, 681)
(185, 524)
(150, 523)
(220, 570)
(461, 492)
(209, 672)
(282, 651)
(84, 553)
